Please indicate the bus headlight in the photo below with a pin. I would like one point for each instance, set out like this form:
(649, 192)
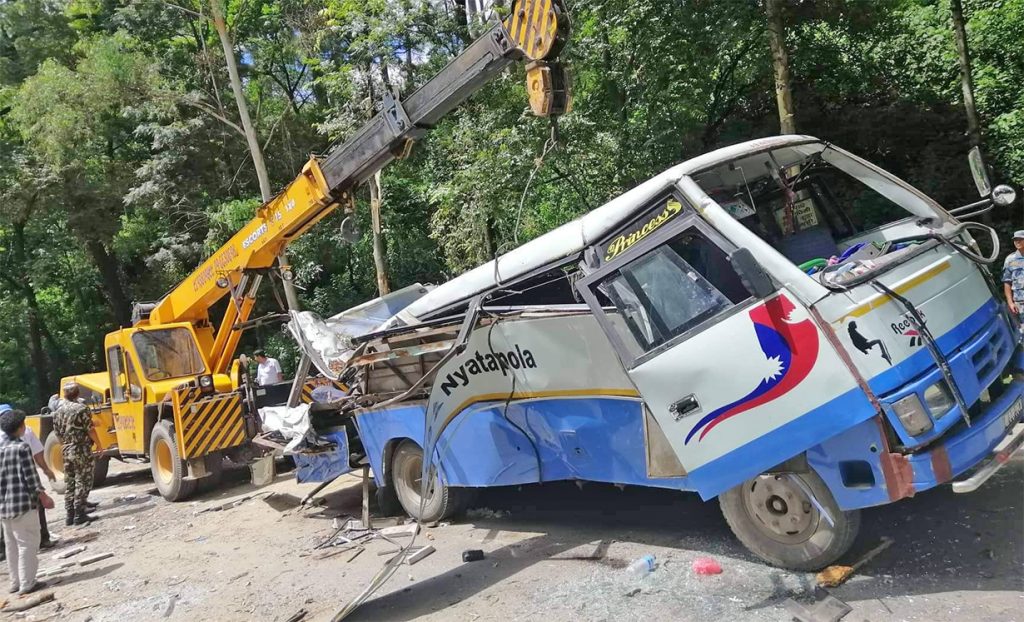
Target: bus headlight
(912, 414)
(938, 399)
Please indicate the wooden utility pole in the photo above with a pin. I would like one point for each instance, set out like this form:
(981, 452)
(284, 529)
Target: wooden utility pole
(780, 63)
(966, 77)
(380, 258)
(217, 10)
(255, 151)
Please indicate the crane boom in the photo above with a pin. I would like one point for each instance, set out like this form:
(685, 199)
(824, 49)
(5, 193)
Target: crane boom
(534, 32)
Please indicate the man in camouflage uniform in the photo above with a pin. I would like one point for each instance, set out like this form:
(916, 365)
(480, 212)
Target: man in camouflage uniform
(1013, 276)
(73, 424)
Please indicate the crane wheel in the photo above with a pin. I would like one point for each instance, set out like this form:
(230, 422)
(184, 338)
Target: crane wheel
(53, 454)
(168, 468)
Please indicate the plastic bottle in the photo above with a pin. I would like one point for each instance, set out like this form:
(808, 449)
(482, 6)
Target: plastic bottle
(642, 566)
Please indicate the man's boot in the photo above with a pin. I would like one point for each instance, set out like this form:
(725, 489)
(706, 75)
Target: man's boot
(81, 518)
(70, 520)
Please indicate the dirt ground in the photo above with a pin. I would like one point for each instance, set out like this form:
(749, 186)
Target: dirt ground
(553, 552)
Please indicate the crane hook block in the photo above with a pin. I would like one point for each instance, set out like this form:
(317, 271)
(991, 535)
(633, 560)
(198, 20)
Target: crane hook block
(549, 88)
(539, 28)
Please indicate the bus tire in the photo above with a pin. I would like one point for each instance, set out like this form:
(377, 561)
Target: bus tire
(773, 517)
(442, 501)
(53, 455)
(168, 468)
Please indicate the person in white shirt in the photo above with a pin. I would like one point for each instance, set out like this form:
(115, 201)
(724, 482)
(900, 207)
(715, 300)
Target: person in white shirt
(33, 443)
(268, 370)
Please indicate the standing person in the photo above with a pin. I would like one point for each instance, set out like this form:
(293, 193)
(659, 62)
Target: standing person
(73, 424)
(33, 443)
(1013, 276)
(268, 370)
(20, 494)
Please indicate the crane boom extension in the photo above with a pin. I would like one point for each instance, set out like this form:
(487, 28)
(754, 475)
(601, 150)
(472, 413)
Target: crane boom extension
(534, 32)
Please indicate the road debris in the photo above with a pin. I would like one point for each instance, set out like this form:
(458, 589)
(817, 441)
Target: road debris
(834, 576)
(95, 558)
(23, 604)
(70, 552)
(354, 555)
(400, 531)
(642, 566)
(472, 555)
(826, 608)
(706, 566)
(485, 513)
(420, 554)
(170, 605)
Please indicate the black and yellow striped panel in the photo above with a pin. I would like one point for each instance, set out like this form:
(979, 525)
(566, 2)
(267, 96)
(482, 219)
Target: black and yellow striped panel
(533, 26)
(208, 423)
(315, 383)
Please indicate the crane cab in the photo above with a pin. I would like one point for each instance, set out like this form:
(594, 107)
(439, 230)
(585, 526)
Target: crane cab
(168, 405)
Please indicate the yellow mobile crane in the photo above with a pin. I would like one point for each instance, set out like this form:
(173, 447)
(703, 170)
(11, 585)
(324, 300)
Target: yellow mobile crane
(176, 391)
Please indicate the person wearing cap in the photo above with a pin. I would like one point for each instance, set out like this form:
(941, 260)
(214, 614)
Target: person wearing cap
(1013, 275)
(73, 424)
(33, 443)
(268, 370)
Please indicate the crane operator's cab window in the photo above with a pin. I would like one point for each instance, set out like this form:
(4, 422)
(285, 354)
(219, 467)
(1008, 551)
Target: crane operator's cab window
(167, 353)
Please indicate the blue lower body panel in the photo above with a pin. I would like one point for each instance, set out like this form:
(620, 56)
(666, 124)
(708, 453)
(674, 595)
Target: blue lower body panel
(324, 466)
(594, 439)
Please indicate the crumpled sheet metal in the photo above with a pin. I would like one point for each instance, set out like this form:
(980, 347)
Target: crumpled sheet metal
(292, 423)
(328, 343)
(326, 465)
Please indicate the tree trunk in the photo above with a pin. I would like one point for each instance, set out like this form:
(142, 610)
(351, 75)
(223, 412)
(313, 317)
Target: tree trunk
(217, 10)
(380, 258)
(780, 63)
(111, 278)
(36, 352)
(462, 22)
(966, 77)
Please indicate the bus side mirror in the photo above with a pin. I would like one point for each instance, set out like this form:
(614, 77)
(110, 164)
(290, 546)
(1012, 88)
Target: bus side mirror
(1003, 195)
(753, 276)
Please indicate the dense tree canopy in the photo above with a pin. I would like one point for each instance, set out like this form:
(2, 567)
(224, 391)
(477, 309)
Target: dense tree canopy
(123, 163)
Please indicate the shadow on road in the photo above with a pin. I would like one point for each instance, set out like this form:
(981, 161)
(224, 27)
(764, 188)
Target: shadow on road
(943, 542)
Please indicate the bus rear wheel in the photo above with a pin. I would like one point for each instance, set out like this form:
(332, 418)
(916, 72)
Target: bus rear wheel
(168, 469)
(441, 502)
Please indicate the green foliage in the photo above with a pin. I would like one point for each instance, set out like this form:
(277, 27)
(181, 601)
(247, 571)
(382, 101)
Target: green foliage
(122, 166)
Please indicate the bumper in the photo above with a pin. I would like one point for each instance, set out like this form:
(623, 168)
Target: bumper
(998, 427)
(999, 457)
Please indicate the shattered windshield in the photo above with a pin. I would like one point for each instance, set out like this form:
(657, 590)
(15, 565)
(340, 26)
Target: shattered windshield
(831, 214)
(167, 353)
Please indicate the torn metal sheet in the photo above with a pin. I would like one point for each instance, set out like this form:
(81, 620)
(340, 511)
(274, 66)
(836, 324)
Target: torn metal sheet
(324, 466)
(291, 423)
(328, 343)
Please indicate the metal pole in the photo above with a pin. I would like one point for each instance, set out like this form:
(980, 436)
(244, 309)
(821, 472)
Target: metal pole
(290, 294)
(295, 395)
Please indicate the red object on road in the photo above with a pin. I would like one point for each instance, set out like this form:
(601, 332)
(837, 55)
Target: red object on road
(706, 565)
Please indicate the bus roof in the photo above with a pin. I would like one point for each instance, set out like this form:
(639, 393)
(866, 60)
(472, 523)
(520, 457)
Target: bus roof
(573, 237)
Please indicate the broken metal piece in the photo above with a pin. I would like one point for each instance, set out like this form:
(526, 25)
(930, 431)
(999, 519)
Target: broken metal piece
(827, 608)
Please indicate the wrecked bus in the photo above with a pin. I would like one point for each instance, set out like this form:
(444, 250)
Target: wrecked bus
(778, 324)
